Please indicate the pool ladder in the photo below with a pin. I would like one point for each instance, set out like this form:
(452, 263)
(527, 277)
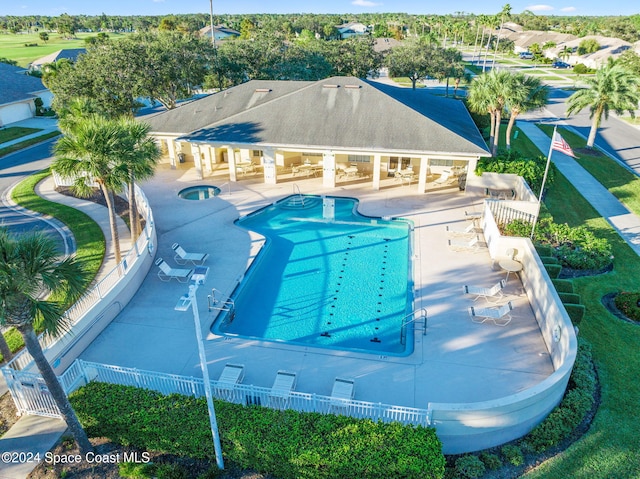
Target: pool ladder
(229, 305)
(298, 199)
(406, 321)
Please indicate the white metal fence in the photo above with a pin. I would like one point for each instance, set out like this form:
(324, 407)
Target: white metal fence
(95, 294)
(82, 372)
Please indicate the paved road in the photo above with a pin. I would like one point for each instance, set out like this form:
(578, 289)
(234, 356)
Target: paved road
(15, 167)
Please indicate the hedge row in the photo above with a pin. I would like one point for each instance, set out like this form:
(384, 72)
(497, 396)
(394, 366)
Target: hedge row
(285, 444)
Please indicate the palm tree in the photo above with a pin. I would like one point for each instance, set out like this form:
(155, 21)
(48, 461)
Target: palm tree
(528, 93)
(5, 350)
(91, 149)
(506, 12)
(612, 88)
(139, 156)
(30, 269)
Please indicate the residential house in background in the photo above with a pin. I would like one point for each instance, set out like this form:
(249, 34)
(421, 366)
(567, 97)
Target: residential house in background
(352, 29)
(220, 32)
(70, 54)
(609, 48)
(18, 92)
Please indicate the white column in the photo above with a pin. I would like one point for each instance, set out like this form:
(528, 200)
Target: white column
(329, 170)
(231, 158)
(197, 159)
(269, 165)
(377, 160)
(245, 155)
(422, 176)
(208, 152)
(171, 148)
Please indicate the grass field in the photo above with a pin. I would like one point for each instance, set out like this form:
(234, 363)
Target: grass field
(609, 448)
(15, 132)
(12, 46)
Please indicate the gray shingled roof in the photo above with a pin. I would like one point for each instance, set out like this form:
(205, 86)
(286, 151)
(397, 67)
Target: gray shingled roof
(68, 53)
(338, 112)
(15, 85)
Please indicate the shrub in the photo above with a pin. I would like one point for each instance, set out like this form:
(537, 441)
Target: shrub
(544, 250)
(286, 444)
(470, 466)
(549, 260)
(577, 402)
(627, 303)
(563, 285)
(575, 312)
(582, 69)
(171, 471)
(491, 461)
(531, 169)
(132, 470)
(212, 473)
(512, 454)
(553, 270)
(569, 298)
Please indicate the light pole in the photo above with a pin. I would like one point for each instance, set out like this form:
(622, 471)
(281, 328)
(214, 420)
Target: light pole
(185, 301)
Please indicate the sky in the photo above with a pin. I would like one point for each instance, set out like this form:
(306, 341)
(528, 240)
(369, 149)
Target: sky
(165, 7)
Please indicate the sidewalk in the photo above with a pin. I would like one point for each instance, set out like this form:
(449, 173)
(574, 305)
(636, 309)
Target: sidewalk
(37, 434)
(623, 221)
(47, 125)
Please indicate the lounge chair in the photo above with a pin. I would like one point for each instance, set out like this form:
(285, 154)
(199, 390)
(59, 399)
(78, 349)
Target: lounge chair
(342, 392)
(444, 179)
(500, 316)
(494, 292)
(231, 375)
(167, 273)
(284, 383)
(470, 229)
(474, 244)
(182, 257)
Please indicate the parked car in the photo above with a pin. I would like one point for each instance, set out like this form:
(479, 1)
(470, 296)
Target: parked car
(559, 64)
(526, 56)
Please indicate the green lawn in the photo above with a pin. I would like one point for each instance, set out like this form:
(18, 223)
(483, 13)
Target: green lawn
(11, 133)
(23, 144)
(13, 46)
(610, 448)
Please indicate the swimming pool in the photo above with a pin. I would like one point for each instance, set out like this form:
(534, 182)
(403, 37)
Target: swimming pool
(326, 277)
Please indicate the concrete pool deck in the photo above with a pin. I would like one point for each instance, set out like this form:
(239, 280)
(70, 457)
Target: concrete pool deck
(456, 361)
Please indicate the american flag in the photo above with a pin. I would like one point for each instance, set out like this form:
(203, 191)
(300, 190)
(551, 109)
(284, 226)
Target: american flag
(559, 144)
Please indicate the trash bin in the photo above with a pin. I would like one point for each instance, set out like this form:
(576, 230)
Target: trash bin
(462, 181)
(181, 157)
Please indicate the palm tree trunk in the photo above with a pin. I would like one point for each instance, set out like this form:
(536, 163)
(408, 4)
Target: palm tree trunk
(496, 138)
(512, 121)
(595, 124)
(492, 133)
(5, 350)
(108, 197)
(134, 218)
(55, 389)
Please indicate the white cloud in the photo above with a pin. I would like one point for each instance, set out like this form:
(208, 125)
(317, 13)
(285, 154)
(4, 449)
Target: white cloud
(539, 8)
(568, 9)
(365, 3)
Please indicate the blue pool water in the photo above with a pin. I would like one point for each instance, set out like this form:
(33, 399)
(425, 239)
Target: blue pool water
(327, 277)
(196, 193)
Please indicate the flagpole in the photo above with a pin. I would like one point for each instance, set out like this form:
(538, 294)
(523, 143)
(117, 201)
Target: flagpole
(544, 180)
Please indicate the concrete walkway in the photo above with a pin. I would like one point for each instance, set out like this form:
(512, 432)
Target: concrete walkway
(623, 221)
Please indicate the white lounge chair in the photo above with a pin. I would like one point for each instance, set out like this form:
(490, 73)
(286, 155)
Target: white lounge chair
(444, 179)
(284, 383)
(182, 257)
(167, 273)
(500, 316)
(231, 375)
(474, 244)
(342, 392)
(494, 292)
(469, 230)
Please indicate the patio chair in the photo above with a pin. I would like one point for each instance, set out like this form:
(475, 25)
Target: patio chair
(474, 244)
(470, 229)
(342, 392)
(500, 316)
(284, 383)
(494, 292)
(231, 375)
(167, 273)
(444, 179)
(182, 257)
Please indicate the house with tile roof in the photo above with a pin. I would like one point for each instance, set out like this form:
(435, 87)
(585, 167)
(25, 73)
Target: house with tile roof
(352, 29)
(220, 32)
(18, 92)
(338, 129)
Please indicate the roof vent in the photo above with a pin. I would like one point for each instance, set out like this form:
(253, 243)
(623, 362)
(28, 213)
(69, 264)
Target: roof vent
(330, 85)
(353, 86)
(263, 90)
